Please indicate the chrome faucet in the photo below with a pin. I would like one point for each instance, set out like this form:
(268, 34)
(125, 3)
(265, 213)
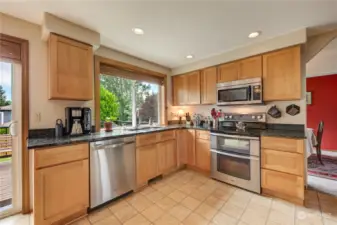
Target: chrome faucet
(150, 121)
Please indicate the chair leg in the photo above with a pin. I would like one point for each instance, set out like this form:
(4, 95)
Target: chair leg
(319, 156)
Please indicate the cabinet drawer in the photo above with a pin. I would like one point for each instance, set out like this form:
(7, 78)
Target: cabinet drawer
(201, 134)
(282, 161)
(166, 135)
(10, 50)
(283, 184)
(59, 155)
(283, 144)
(146, 139)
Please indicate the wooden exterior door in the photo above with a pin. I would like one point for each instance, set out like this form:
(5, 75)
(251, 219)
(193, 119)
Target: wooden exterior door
(193, 82)
(71, 69)
(250, 68)
(282, 75)
(62, 191)
(208, 85)
(146, 160)
(203, 154)
(228, 72)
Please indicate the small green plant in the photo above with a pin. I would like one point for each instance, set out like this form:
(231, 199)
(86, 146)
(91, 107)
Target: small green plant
(108, 120)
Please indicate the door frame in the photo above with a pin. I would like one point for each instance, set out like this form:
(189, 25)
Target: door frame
(24, 62)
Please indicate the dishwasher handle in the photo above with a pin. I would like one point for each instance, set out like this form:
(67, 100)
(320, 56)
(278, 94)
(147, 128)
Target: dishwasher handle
(97, 147)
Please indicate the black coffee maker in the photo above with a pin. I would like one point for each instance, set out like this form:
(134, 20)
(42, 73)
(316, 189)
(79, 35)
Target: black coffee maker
(78, 120)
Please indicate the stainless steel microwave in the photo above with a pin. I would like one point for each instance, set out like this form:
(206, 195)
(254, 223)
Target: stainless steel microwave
(240, 92)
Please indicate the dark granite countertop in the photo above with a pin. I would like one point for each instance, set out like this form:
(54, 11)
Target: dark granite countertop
(34, 143)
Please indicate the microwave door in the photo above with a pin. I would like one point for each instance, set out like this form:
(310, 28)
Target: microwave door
(234, 95)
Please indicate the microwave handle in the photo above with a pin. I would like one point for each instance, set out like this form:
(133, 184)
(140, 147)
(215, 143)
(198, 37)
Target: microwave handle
(250, 93)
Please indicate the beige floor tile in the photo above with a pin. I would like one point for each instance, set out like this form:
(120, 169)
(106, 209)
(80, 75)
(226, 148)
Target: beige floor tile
(329, 222)
(242, 223)
(283, 206)
(199, 195)
(239, 200)
(188, 188)
(166, 203)
(110, 220)
(18, 219)
(137, 220)
(167, 219)
(155, 196)
(207, 189)
(147, 190)
(190, 203)
(214, 202)
(153, 213)
(254, 217)
(281, 218)
(223, 219)
(206, 211)
(180, 212)
(261, 201)
(167, 189)
(177, 196)
(232, 210)
(222, 194)
(139, 202)
(316, 221)
(117, 205)
(243, 193)
(195, 219)
(124, 213)
(83, 221)
(158, 185)
(99, 214)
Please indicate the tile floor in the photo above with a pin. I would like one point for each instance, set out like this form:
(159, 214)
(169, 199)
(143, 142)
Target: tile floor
(188, 198)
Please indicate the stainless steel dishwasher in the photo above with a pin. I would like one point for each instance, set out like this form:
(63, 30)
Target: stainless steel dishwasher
(112, 169)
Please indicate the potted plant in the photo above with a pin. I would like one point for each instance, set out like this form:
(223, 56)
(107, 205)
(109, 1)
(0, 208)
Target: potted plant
(108, 124)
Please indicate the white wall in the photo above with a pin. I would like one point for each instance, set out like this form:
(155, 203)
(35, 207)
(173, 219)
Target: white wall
(50, 110)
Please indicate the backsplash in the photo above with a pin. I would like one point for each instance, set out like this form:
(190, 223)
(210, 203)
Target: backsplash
(284, 119)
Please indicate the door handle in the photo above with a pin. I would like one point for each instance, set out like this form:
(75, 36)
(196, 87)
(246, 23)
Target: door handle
(13, 129)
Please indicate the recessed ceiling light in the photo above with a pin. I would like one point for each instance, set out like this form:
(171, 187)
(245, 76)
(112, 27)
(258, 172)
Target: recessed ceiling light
(138, 31)
(189, 57)
(254, 34)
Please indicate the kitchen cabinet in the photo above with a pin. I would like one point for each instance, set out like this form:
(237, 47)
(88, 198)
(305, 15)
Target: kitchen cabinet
(282, 163)
(61, 185)
(203, 154)
(146, 163)
(250, 68)
(167, 156)
(180, 90)
(186, 89)
(228, 72)
(282, 75)
(190, 147)
(208, 85)
(182, 146)
(70, 69)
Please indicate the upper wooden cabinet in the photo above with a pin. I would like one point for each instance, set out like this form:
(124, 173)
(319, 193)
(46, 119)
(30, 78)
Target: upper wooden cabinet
(186, 89)
(282, 75)
(208, 85)
(70, 69)
(250, 67)
(228, 72)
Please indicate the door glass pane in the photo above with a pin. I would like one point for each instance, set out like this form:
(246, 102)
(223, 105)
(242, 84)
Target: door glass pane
(236, 167)
(231, 95)
(147, 98)
(116, 100)
(6, 184)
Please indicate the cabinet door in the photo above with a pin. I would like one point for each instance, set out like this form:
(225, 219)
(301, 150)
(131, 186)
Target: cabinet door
(180, 90)
(202, 154)
(61, 191)
(71, 69)
(182, 146)
(161, 157)
(146, 160)
(193, 81)
(228, 72)
(171, 155)
(250, 67)
(282, 75)
(190, 140)
(208, 85)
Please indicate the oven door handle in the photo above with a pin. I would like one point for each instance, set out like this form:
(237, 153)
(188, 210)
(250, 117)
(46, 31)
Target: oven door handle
(234, 155)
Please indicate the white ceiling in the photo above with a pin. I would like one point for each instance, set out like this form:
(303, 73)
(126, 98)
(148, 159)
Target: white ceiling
(174, 29)
(325, 62)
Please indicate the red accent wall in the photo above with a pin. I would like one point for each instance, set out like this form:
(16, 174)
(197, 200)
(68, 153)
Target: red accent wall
(324, 107)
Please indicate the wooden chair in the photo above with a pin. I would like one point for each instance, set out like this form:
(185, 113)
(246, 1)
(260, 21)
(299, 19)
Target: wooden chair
(319, 141)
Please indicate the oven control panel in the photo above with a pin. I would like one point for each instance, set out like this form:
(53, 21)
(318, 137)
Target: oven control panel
(253, 117)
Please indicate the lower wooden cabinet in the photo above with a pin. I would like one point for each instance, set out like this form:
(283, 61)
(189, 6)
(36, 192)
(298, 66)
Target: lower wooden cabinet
(190, 147)
(202, 154)
(146, 163)
(61, 192)
(167, 156)
(182, 146)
